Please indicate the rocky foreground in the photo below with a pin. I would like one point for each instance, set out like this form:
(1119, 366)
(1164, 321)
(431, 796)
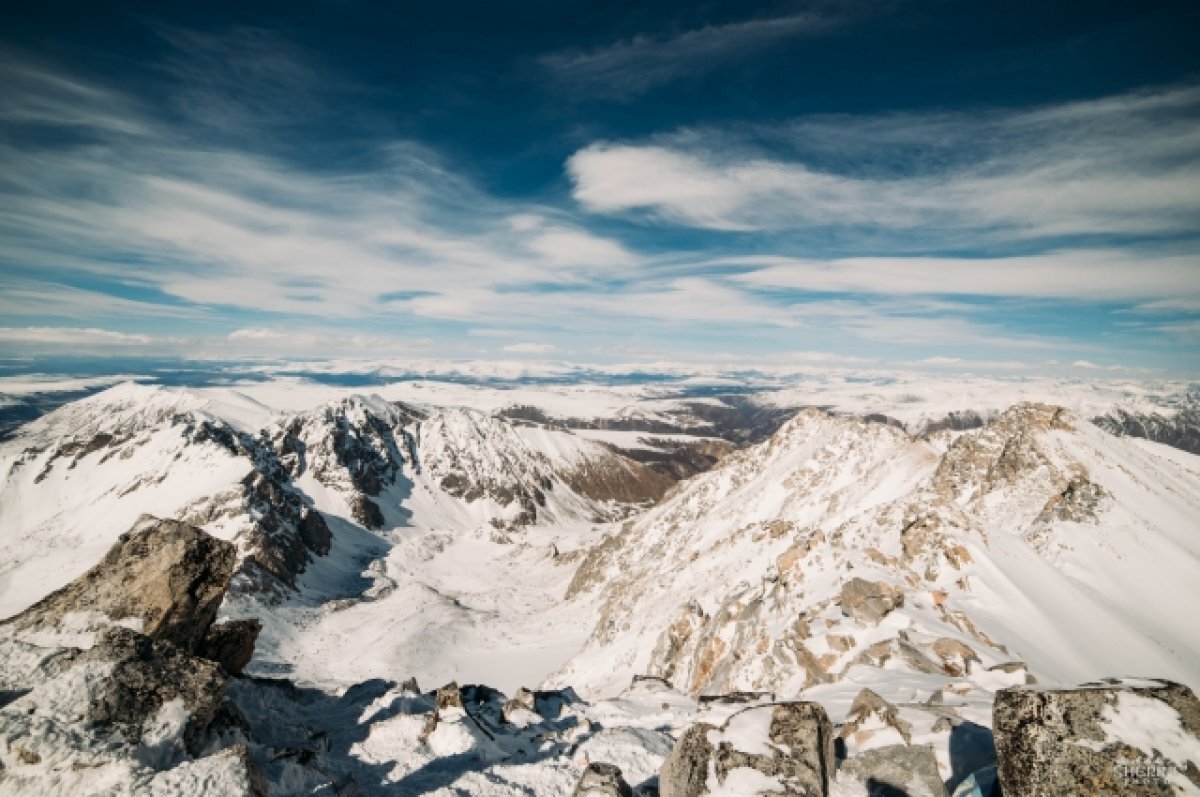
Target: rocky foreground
(122, 683)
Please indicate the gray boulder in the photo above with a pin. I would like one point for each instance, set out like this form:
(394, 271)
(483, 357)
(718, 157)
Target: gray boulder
(147, 674)
(169, 575)
(869, 601)
(1118, 737)
(602, 780)
(897, 769)
(778, 749)
(869, 705)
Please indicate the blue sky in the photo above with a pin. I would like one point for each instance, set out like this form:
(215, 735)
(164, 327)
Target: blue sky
(998, 186)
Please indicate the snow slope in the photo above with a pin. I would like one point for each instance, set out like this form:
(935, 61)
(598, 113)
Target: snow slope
(436, 530)
(1039, 538)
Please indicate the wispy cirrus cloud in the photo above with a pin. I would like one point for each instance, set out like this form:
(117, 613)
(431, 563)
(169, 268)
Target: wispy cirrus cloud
(123, 228)
(633, 66)
(131, 200)
(56, 337)
(1092, 275)
(531, 348)
(1124, 165)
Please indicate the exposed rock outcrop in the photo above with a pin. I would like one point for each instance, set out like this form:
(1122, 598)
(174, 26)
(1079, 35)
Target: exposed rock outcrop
(146, 675)
(870, 714)
(166, 576)
(896, 769)
(1181, 430)
(231, 644)
(869, 601)
(1104, 739)
(110, 673)
(776, 749)
(602, 780)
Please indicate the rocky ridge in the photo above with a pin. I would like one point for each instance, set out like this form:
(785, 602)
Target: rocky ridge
(839, 544)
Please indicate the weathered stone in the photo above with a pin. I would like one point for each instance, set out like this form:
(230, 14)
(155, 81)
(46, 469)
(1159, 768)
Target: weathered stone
(1104, 739)
(1078, 501)
(869, 601)
(602, 780)
(867, 705)
(1014, 668)
(169, 575)
(896, 769)
(148, 673)
(794, 759)
(910, 655)
(684, 772)
(449, 696)
(956, 657)
(231, 644)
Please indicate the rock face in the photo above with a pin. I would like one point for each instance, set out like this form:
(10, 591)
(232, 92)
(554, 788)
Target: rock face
(869, 601)
(168, 575)
(780, 749)
(1105, 739)
(685, 771)
(602, 780)
(148, 674)
(231, 644)
(1180, 431)
(146, 694)
(897, 769)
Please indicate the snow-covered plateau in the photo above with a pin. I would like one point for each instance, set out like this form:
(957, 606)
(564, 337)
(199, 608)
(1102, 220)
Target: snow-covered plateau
(835, 588)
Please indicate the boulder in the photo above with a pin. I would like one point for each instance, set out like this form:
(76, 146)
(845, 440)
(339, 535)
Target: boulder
(602, 780)
(871, 714)
(146, 675)
(231, 644)
(169, 576)
(685, 770)
(1117, 737)
(896, 769)
(869, 601)
(777, 749)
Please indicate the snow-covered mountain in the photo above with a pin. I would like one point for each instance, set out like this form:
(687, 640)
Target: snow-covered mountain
(839, 543)
(895, 557)
(276, 483)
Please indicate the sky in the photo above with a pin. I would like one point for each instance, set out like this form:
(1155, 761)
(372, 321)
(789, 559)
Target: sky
(988, 186)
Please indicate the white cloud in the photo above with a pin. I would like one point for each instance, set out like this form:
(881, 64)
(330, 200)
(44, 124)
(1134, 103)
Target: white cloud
(1089, 275)
(530, 348)
(72, 336)
(1091, 366)
(221, 227)
(633, 66)
(578, 248)
(1127, 164)
(32, 298)
(1183, 329)
(257, 333)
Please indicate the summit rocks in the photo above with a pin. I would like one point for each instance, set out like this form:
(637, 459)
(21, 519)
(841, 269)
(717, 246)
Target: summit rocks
(166, 577)
(784, 748)
(1107, 739)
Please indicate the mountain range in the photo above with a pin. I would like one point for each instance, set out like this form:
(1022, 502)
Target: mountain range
(615, 564)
